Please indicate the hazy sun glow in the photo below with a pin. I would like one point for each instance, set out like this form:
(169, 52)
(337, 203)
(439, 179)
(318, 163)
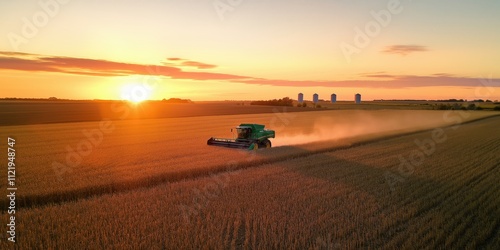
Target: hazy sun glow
(135, 93)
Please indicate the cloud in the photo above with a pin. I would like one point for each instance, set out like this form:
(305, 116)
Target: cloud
(179, 62)
(175, 59)
(95, 67)
(13, 53)
(13, 63)
(443, 74)
(377, 75)
(198, 65)
(404, 49)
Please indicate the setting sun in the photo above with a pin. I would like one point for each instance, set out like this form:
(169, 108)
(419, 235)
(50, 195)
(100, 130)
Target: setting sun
(135, 93)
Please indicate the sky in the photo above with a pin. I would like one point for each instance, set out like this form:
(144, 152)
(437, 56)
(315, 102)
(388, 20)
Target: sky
(248, 50)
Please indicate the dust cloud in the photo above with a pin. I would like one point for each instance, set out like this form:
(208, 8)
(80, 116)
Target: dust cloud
(343, 124)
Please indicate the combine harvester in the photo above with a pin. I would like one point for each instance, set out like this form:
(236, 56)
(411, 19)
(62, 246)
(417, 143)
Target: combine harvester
(250, 136)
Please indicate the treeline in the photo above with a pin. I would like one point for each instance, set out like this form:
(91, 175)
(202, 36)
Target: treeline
(286, 101)
(33, 99)
(457, 106)
(444, 100)
(462, 100)
(399, 100)
(176, 100)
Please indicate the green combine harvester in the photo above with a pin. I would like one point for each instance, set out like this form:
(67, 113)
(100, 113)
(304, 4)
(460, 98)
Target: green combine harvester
(249, 136)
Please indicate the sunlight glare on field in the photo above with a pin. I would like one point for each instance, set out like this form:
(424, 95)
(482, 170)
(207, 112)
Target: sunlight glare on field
(135, 92)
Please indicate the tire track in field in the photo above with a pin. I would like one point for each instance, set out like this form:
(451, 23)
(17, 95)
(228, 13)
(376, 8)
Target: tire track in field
(120, 187)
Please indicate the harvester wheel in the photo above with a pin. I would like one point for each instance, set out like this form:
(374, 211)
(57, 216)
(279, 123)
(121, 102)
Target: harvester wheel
(267, 143)
(255, 146)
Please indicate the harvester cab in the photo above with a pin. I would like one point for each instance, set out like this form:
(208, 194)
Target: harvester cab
(243, 132)
(248, 136)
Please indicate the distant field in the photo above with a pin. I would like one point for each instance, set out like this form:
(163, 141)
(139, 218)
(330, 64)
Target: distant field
(42, 112)
(349, 193)
(371, 105)
(68, 161)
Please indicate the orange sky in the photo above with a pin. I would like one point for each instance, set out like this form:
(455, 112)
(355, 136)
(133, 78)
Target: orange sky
(242, 50)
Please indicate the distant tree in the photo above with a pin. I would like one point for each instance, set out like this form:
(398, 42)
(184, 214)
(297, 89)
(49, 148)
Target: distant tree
(443, 106)
(318, 106)
(286, 101)
(452, 100)
(479, 108)
(496, 108)
(52, 98)
(456, 106)
(471, 106)
(304, 104)
(176, 100)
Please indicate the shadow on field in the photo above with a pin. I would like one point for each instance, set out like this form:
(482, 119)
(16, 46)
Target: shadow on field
(461, 212)
(367, 186)
(415, 202)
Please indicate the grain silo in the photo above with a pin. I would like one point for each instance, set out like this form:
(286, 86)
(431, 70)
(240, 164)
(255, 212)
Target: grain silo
(301, 98)
(334, 98)
(357, 98)
(315, 98)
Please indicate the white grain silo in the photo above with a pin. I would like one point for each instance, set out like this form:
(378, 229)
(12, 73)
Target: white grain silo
(315, 98)
(334, 98)
(301, 98)
(357, 98)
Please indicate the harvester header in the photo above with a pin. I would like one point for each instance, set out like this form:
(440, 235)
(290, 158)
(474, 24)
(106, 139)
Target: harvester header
(248, 136)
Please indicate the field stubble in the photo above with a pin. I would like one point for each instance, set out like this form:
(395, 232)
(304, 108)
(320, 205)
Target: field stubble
(337, 199)
(141, 153)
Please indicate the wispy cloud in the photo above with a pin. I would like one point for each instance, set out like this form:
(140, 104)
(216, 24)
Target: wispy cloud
(377, 75)
(404, 49)
(175, 59)
(83, 66)
(95, 67)
(180, 62)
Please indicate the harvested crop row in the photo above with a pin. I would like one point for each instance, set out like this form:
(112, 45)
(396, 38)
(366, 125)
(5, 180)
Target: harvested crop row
(145, 153)
(339, 199)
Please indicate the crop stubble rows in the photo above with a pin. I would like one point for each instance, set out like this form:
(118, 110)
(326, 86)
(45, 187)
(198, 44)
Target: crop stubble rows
(337, 198)
(141, 153)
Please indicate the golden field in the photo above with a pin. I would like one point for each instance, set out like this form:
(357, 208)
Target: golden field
(74, 160)
(333, 179)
